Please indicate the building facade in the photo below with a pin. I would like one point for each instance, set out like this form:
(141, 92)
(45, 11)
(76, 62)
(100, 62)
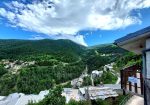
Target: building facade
(139, 43)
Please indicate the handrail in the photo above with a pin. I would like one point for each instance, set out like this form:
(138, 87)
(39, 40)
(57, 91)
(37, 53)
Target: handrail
(132, 66)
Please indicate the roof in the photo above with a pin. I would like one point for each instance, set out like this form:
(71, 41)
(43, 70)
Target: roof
(67, 89)
(73, 94)
(22, 99)
(99, 92)
(132, 35)
(96, 72)
(113, 86)
(134, 42)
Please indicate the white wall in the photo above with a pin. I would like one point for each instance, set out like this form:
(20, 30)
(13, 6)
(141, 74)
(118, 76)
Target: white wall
(148, 58)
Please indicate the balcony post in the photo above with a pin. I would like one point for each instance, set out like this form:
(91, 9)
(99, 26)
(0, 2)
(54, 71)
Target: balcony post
(147, 74)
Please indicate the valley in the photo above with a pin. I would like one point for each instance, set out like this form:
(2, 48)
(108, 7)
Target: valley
(46, 64)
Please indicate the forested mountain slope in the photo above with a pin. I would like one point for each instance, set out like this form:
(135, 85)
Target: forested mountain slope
(99, 55)
(26, 64)
(41, 63)
(20, 49)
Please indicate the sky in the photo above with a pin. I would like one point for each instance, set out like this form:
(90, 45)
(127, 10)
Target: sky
(86, 22)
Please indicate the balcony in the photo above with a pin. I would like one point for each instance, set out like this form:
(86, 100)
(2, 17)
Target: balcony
(132, 80)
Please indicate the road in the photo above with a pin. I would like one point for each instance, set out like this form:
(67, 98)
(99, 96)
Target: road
(118, 76)
(119, 79)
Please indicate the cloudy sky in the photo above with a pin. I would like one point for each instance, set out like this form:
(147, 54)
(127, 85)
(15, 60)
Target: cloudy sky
(87, 22)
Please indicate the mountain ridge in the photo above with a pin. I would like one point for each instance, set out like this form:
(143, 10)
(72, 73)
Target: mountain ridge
(13, 48)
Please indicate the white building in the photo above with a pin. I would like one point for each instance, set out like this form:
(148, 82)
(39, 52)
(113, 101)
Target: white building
(97, 73)
(108, 67)
(22, 99)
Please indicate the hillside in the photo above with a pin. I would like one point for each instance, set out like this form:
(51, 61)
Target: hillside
(20, 49)
(108, 49)
(38, 63)
(26, 64)
(99, 55)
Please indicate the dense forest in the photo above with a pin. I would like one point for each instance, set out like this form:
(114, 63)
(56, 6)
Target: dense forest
(24, 49)
(97, 56)
(56, 61)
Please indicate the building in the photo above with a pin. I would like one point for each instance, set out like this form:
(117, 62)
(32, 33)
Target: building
(98, 92)
(96, 73)
(90, 93)
(108, 67)
(77, 82)
(72, 94)
(22, 99)
(139, 43)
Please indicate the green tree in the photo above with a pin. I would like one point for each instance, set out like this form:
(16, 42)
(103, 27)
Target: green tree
(53, 98)
(2, 70)
(87, 81)
(73, 102)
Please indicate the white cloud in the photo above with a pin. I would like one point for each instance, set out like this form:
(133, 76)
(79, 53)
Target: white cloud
(67, 17)
(37, 37)
(75, 38)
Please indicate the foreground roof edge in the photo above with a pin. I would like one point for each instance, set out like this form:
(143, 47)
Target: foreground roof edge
(132, 35)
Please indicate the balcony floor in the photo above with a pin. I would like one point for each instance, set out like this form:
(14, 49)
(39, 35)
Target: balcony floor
(135, 100)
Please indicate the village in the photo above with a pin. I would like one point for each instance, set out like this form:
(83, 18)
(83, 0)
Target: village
(78, 92)
(14, 66)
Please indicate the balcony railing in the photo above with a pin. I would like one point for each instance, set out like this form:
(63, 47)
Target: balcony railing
(132, 79)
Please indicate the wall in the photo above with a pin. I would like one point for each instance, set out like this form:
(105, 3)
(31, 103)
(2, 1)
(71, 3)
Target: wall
(148, 58)
(147, 77)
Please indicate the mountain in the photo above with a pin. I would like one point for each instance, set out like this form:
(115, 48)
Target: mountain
(108, 49)
(121, 57)
(45, 63)
(100, 55)
(19, 48)
(15, 49)
(100, 45)
(38, 63)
